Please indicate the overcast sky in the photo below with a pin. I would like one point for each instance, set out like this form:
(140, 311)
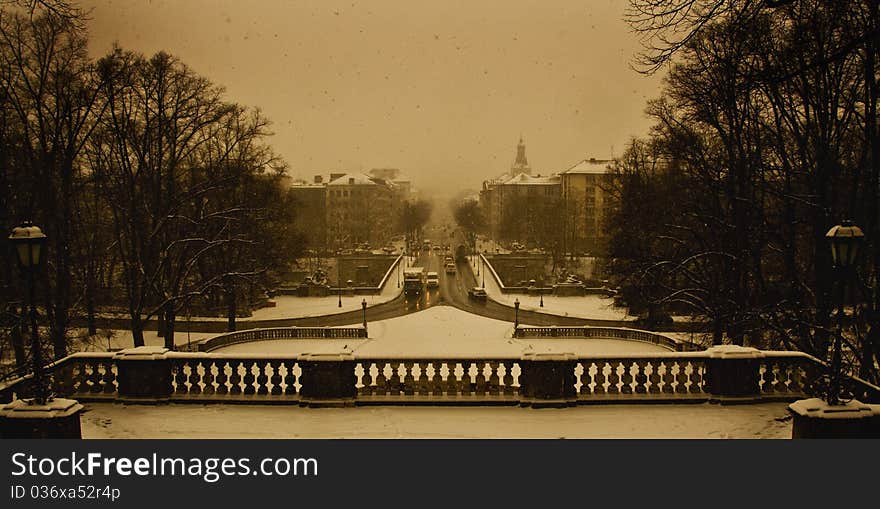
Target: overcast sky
(442, 90)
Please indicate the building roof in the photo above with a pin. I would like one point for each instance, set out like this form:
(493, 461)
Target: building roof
(590, 166)
(359, 180)
(529, 180)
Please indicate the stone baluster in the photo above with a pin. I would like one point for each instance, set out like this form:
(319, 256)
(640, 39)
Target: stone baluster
(276, 379)
(494, 379)
(262, 367)
(599, 379)
(249, 377)
(408, 379)
(452, 384)
(585, 377)
(508, 389)
(394, 388)
(235, 377)
(641, 377)
(222, 377)
(480, 386)
(696, 378)
(423, 379)
(289, 377)
(654, 378)
(437, 379)
(613, 376)
(208, 377)
(367, 378)
(668, 378)
(195, 387)
(682, 376)
(95, 377)
(109, 378)
(466, 387)
(626, 379)
(381, 379)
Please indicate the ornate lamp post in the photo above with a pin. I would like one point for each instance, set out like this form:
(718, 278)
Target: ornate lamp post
(364, 307)
(845, 240)
(516, 315)
(29, 241)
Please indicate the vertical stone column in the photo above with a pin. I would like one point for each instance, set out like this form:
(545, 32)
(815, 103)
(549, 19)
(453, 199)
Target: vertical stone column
(732, 374)
(547, 380)
(144, 374)
(328, 380)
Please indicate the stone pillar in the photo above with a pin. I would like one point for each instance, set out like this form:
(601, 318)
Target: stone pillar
(732, 374)
(144, 375)
(58, 418)
(547, 380)
(328, 380)
(814, 418)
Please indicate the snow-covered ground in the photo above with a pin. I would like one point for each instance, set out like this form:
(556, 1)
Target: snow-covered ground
(447, 331)
(109, 420)
(597, 307)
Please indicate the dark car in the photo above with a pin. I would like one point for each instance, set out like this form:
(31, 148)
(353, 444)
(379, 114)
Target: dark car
(477, 293)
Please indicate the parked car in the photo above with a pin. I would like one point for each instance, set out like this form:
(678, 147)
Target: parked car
(477, 293)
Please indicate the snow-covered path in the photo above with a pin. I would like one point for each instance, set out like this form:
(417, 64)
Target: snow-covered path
(109, 420)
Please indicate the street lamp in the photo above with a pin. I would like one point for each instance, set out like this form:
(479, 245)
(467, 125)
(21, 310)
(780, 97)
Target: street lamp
(845, 240)
(484, 273)
(516, 315)
(29, 241)
(542, 297)
(364, 306)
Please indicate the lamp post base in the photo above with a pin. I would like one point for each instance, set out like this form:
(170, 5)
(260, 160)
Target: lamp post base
(815, 418)
(58, 418)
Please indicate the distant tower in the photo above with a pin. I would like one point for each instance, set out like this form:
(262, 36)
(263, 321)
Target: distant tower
(521, 165)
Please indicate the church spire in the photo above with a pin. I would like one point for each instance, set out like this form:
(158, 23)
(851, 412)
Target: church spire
(521, 165)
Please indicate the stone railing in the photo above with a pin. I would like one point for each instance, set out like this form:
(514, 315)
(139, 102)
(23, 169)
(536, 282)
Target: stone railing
(720, 374)
(654, 338)
(437, 381)
(275, 333)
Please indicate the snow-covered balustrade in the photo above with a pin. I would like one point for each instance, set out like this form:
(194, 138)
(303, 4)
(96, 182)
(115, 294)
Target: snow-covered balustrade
(276, 333)
(678, 376)
(153, 374)
(554, 331)
(437, 380)
(215, 377)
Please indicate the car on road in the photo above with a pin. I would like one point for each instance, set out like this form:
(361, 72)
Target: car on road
(433, 280)
(450, 268)
(477, 293)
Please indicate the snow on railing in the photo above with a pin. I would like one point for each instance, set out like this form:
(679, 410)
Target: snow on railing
(276, 333)
(586, 331)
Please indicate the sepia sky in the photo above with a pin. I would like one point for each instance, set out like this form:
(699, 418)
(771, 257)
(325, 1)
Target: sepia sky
(442, 90)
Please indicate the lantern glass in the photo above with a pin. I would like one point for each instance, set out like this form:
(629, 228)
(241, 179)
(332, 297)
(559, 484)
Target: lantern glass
(28, 241)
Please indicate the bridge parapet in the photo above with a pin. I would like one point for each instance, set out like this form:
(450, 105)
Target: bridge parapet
(343, 378)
